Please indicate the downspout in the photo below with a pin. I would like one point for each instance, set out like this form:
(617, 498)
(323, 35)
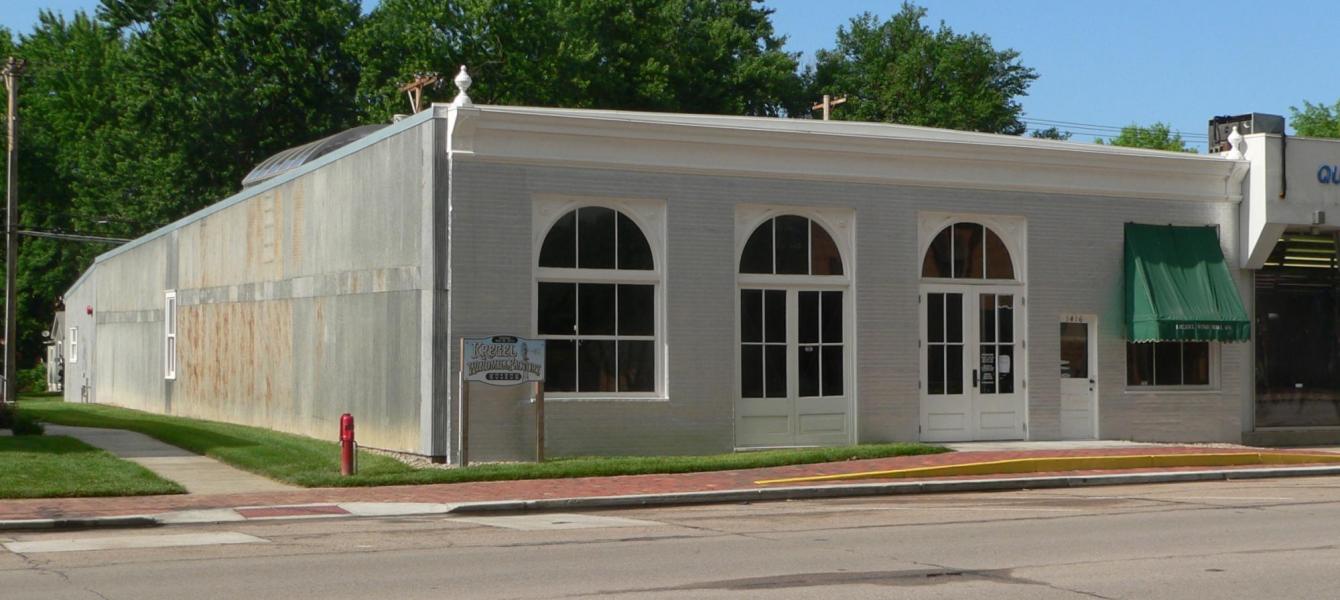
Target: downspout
(1284, 165)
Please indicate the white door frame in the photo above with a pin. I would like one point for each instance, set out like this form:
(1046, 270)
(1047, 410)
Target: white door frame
(971, 291)
(792, 288)
(1094, 381)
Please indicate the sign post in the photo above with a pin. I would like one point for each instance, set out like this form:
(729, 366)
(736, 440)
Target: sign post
(502, 360)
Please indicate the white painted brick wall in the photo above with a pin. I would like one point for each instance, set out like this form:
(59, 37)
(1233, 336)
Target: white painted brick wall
(1075, 266)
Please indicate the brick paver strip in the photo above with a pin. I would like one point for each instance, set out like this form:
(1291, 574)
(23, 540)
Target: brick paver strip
(535, 489)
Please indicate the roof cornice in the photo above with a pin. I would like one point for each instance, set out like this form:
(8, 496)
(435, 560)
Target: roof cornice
(834, 151)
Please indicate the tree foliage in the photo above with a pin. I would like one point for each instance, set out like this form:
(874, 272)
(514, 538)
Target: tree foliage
(65, 98)
(1158, 136)
(1316, 120)
(902, 71)
(1050, 133)
(209, 88)
(705, 56)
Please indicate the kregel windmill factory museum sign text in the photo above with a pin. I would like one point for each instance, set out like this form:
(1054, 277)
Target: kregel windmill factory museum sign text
(503, 360)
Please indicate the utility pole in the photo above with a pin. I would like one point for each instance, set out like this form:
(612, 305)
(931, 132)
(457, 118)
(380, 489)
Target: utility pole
(12, 70)
(828, 104)
(414, 89)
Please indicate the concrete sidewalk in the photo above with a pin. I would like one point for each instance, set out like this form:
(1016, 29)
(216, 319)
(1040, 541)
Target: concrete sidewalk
(629, 490)
(198, 474)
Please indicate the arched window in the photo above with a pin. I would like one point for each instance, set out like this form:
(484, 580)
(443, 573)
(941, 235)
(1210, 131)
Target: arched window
(967, 251)
(791, 245)
(597, 304)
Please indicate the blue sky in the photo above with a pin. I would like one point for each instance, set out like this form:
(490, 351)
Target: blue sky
(1101, 63)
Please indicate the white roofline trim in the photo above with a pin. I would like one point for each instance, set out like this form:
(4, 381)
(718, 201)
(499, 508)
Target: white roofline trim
(833, 150)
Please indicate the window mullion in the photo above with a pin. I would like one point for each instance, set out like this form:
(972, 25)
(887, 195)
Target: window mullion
(774, 250)
(953, 251)
(984, 267)
(577, 332)
(616, 312)
(809, 248)
(1153, 363)
(1181, 361)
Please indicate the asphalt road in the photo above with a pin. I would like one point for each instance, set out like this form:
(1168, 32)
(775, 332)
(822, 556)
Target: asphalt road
(1250, 539)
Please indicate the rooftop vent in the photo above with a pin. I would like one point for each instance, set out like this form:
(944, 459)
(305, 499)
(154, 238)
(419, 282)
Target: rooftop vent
(298, 156)
(1221, 127)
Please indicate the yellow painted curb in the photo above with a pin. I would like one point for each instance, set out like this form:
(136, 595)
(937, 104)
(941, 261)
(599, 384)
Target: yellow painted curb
(1078, 463)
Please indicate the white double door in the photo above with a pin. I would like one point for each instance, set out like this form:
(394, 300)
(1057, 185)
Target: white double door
(972, 363)
(794, 361)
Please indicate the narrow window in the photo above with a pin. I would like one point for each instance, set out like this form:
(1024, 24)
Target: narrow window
(74, 344)
(170, 334)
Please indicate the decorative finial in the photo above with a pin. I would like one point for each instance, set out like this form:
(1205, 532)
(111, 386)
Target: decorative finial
(1235, 145)
(463, 82)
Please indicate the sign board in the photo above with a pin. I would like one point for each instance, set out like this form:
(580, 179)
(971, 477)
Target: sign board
(502, 360)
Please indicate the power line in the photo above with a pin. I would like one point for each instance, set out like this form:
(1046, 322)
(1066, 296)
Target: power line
(72, 237)
(1093, 129)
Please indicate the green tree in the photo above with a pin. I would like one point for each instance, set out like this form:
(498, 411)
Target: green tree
(901, 71)
(1316, 120)
(208, 89)
(1050, 133)
(705, 56)
(1158, 136)
(65, 96)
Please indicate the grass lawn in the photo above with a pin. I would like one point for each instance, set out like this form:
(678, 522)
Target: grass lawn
(34, 466)
(315, 463)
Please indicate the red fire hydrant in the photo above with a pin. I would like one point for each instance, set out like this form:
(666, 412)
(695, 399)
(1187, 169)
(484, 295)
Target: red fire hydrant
(348, 447)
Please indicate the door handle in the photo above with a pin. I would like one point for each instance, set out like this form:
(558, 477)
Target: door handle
(974, 378)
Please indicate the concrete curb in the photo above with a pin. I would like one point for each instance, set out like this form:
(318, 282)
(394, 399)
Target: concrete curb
(884, 489)
(118, 522)
(764, 494)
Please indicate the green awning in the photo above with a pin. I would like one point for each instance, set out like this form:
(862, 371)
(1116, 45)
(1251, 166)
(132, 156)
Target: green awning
(1179, 288)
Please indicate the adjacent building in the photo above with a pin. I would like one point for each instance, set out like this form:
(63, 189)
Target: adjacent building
(709, 283)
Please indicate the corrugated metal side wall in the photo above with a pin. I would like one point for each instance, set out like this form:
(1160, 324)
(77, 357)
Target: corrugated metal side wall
(297, 303)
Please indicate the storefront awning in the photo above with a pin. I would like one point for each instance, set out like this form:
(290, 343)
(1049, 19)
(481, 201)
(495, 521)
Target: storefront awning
(1179, 288)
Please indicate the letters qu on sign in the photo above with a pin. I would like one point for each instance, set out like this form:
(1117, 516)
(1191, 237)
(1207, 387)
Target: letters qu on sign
(1329, 174)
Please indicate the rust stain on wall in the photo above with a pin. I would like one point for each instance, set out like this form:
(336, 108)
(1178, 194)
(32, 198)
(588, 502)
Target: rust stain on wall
(238, 363)
(297, 200)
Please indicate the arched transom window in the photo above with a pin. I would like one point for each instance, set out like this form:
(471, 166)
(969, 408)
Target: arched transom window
(791, 245)
(597, 304)
(967, 251)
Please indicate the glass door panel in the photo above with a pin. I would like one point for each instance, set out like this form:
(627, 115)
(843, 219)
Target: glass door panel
(1074, 350)
(944, 331)
(995, 370)
(763, 343)
(819, 366)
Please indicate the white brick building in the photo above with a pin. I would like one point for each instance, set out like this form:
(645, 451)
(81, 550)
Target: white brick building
(704, 283)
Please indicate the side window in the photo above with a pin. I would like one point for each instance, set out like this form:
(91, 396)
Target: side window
(1167, 364)
(170, 334)
(74, 344)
